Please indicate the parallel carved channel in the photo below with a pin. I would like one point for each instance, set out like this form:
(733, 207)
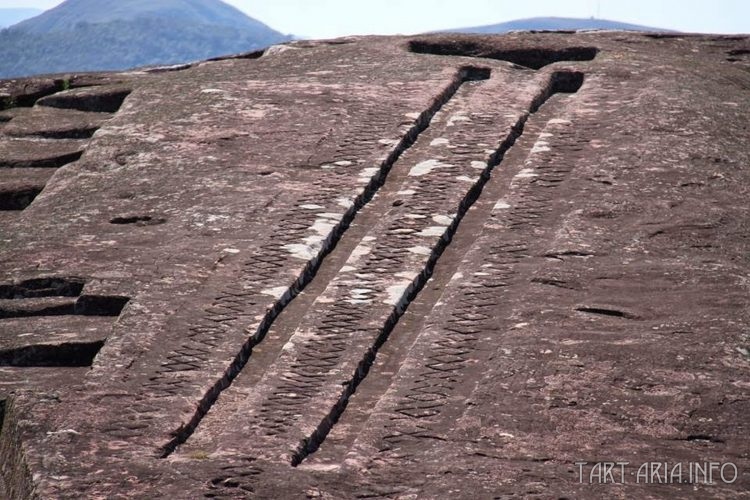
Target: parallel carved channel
(422, 123)
(560, 82)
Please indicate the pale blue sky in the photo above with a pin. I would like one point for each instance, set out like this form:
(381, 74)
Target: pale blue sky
(330, 18)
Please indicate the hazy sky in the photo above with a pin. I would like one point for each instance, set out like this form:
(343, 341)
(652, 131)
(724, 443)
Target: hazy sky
(330, 18)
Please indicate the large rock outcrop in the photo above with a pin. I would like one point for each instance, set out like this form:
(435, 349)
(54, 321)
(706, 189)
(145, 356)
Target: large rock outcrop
(430, 267)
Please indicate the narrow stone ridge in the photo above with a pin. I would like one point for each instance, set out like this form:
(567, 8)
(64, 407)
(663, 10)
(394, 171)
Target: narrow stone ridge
(560, 81)
(181, 435)
(406, 341)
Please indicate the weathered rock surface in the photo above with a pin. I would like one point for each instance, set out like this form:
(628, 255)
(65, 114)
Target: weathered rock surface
(433, 267)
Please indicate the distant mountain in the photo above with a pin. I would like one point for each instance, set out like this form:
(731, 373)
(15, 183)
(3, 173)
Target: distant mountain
(92, 35)
(9, 17)
(552, 24)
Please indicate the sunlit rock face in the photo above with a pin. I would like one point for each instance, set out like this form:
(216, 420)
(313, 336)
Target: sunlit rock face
(431, 267)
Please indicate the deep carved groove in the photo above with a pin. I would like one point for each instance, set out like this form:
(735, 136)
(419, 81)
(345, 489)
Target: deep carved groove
(604, 312)
(84, 132)
(570, 253)
(27, 100)
(68, 355)
(17, 199)
(53, 162)
(37, 309)
(704, 438)
(256, 54)
(465, 74)
(95, 305)
(55, 297)
(534, 58)
(562, 81)
(43, 287)
(101, 100)
(139, 220)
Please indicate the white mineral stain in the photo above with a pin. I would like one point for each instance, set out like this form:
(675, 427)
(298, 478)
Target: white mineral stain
(212, 91)
(433, 231)
(526, 173)
(360, 296)
(344, 163)
(311, 207)
(559, 121)
(409, 275)
(458, 118)
(501, 205)
(367, 173)
(300, 251)
(329, 215)
(412, 116)
(348, 269)
(322, 468)
(231, 250)
(277, 49)
(64, 431)
(359, 252)
(344, 202)
(540, 147)
(368, 239)
(356, 302)
(480, 165)
(395, 293)
(323, 226)
(406, 192)
(443, 220)
(276, 293)
(464, 178)
(415, 216)
(314, 241)
(440, 141)
(420, 250)
(425, 167)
